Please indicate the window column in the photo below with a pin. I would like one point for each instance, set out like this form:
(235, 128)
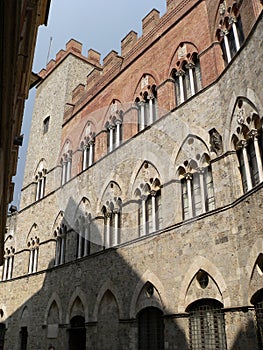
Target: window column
(35, 259)
(108, 215)
(116, 214)
(233, 21)
(189, 177)
(243, 145)
(153, 195)
(91, 152)
(62, 250)
(87, 239)
(10, 262)
(111, 127)
(142, 115)
(85, 156)
(228, 53)
(254, 135)
(151, 112)
(58, 246)
(143, 203)
(190, 68)
(68, 169)
(30, 267)
(64, 172)
(180, 75)
(118, 132)
(203, 189)
(38, 189)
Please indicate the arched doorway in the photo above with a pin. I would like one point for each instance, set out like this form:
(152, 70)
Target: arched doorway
(77, 333)
(150, 329)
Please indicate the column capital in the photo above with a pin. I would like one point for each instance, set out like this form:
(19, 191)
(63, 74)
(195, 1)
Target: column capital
(242, 144)
(180, 73)
(190, 65)
(188, 176)
(253, 134)
(91, 142)
(153, 193)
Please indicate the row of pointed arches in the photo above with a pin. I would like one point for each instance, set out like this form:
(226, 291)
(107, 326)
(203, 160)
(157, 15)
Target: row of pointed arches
(203, 298)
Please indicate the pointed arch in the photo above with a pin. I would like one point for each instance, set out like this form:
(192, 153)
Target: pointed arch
(77, 294)
(108, 286)
(25, 316)
(253, 271)
(53, 298)
(202, 263)
(193, 147)
(144, 84)
(150, 277)
(58, 221)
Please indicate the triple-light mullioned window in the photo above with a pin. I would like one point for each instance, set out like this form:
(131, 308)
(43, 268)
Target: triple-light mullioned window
(248, 142)
(33, 245)
(187, 79)
(197, 191)
(112, 222)
(8, 263)
(230, 31)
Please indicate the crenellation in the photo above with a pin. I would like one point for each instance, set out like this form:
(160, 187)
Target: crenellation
(51, 64)
(110, 60)
(94, 57)
(61, 54)
(150, 21)
(141, 213)
(74, 45)
(128, 42)
(77, 92)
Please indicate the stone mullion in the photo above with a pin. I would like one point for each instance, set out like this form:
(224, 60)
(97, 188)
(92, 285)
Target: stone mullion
(254, 135)
(246, 164)
(228, 53)
(85, 151)
(144, 216)
(189, 178)
(153, 198)
(91, 150)
(58, 245)
(234, 26)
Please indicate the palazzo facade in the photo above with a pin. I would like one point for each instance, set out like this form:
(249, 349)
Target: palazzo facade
(140, 225)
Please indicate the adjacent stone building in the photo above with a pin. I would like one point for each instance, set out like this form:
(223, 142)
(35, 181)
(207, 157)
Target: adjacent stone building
(140, 224)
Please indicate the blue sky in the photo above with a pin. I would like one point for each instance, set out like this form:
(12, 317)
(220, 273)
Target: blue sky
(100, 25)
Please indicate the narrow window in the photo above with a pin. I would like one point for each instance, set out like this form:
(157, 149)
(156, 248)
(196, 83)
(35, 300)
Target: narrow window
(46, 124)
(23, 338)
